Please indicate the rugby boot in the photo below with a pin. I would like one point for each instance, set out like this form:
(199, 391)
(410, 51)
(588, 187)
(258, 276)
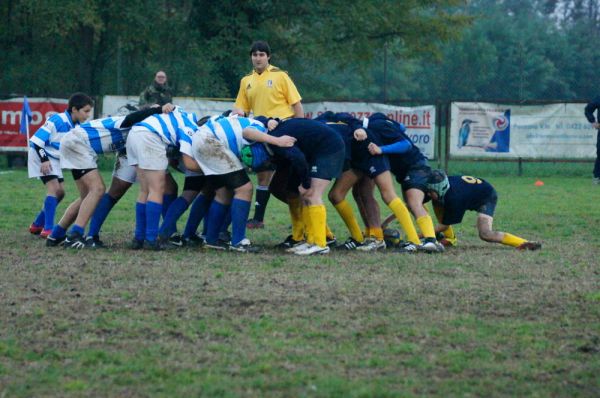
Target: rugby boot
(310, 250)
(530, 246)
(349, 244)
(74, 241)
(54, 242)
(371, 244)
(35, 229)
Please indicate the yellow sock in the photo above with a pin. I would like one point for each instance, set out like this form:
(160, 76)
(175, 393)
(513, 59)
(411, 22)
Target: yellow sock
(295, 207)
(449, 233)
(512, 240)
(403, 216)
(425, 224)
(328, 232)
(318, 219)
(377, 233)
(450, 236)
(308, 225)
(345, 211)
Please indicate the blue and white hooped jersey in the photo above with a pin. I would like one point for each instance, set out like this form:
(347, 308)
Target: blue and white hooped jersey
(49, 135)
(229, 129)
(172, 127)
(105, 135)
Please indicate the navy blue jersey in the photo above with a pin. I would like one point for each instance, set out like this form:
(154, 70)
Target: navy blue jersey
(386, 132)
(344, 124)
(466, 193)
(313, 140)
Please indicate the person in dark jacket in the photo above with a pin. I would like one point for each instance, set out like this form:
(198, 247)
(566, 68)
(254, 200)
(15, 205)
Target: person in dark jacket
(159, 92)
(590, 108)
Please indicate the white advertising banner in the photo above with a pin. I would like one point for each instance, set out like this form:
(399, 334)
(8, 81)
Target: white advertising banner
(117, 105)
(419, 121)
(551, 131)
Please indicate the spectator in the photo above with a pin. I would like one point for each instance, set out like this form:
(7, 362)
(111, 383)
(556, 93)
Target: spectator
(158, 92)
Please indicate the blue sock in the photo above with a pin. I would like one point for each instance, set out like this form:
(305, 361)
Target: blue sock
(167, 200)
(104, 207)
(50, 204)
(176, 210)
(214, 220)
(240, 209)
(153, 212)
(58, 232)
(39, 219)
(196, 215)
(205, 227)
(140, 221)
(226, 221)
(76, 229)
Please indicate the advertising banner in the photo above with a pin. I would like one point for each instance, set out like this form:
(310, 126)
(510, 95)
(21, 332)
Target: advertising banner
(11, 139)
(419, 120)
(552, 131)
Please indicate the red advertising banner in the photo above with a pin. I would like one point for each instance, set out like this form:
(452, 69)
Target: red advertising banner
(11, 140)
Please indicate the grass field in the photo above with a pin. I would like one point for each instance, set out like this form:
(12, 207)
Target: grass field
(479, 320)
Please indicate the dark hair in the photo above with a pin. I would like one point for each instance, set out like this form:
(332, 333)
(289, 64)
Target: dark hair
(79, 100)
(261, 46)
(203, 121)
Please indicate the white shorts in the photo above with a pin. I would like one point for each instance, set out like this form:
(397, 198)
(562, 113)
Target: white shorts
(75, 153)
(212, 156)
(146, 150)
(34, 163)
(123, 171)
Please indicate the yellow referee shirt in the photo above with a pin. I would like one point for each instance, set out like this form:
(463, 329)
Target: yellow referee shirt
(271, 94)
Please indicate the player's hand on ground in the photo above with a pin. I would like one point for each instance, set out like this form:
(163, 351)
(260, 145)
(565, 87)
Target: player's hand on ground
(46, 168)
(360, 134)
(374, 149)
(168, 108)
(285, 141)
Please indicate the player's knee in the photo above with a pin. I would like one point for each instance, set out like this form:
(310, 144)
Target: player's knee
(335, 197)
(97, 189)
(486, 235)
(59, 193)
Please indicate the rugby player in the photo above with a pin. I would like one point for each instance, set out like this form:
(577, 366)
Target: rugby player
(452, 196)
(215, 150)
(79, 153)
(409, 166)
(44, 158)
(316, 158)
(343, 124)
(361, 164)
(147, 145)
